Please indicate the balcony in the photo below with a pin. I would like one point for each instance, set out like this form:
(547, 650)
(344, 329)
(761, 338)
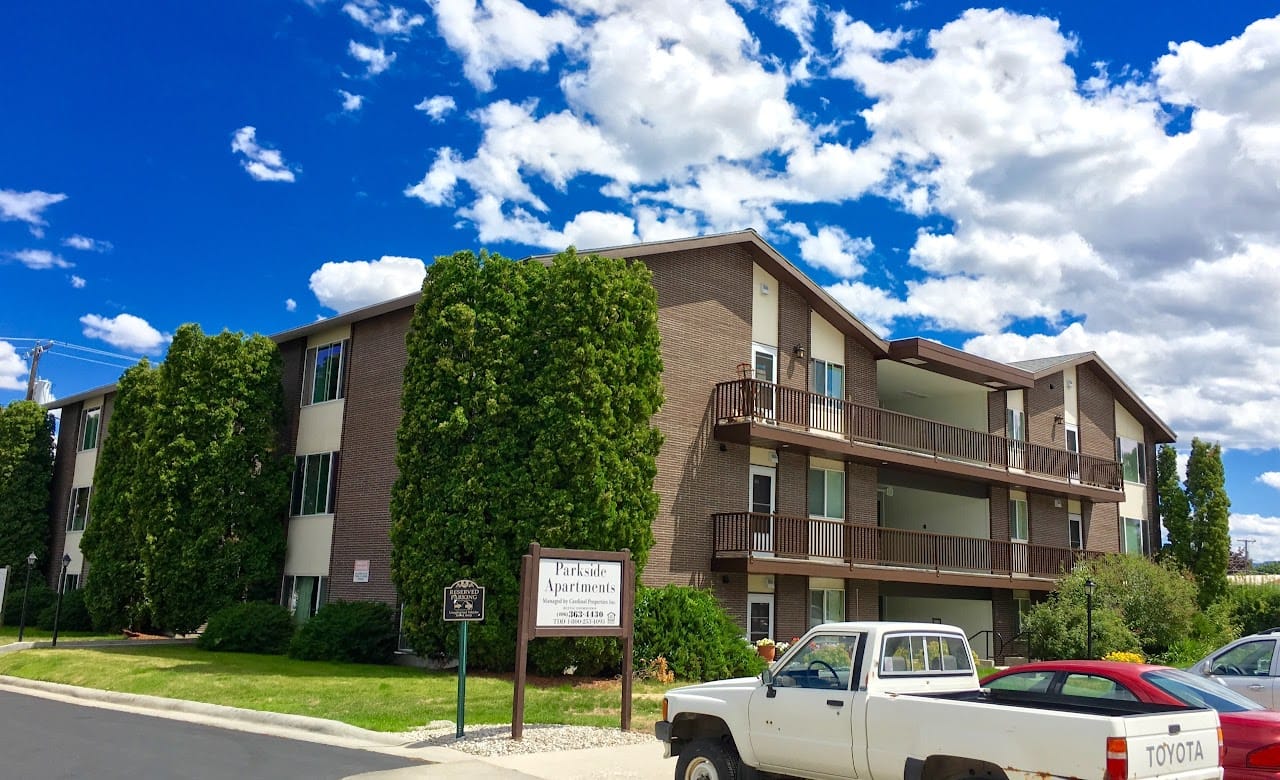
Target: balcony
(832, 547)
(756, 411)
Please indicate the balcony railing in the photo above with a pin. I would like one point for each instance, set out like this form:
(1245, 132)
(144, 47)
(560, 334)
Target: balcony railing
(838, 542)
(753, 400)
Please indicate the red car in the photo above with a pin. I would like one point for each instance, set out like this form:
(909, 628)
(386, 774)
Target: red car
(1251, 733)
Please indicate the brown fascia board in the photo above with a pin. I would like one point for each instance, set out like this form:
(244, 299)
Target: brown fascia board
(1164, 434)
(770, 260)
(941, 359)
(62, 403)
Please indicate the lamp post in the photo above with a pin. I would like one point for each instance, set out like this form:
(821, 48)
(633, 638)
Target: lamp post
(22, 622)
(62, 587)
(1088, 617)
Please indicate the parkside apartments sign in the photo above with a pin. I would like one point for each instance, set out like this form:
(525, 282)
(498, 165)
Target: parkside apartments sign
(574, 592)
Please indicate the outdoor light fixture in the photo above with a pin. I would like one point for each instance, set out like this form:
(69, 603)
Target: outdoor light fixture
(1088, 618)
(22, 622)
(798, 351)
(62, 588)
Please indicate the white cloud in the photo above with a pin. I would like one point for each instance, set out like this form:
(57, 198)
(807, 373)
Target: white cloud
(12, 366)
(831, 248)
(40, 259)
(1263, 530)
(1270, 478)
(290, 304)
(262, 163)
(797, 17)
(78, 282)
(347, 285)
(27, 207)
(124, 331)
(87, 244)
(383, 19)
(493, 34)
(375, 60)
(350, 102)
(437, 107)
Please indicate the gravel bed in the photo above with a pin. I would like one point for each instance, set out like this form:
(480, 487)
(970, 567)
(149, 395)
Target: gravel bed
(491, 740)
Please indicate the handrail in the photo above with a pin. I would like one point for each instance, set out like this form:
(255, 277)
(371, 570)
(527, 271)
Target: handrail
(770, 403)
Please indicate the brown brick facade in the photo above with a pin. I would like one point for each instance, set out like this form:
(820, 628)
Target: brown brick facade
(1045, 419)
(64, 468)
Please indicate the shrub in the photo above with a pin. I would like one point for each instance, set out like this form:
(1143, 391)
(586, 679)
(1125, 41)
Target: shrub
(1124, 657)
(589, 656)
(689, 628)
(39, 597)
(1255, 607)
(74, 616)
(251, 627)
(362, 632)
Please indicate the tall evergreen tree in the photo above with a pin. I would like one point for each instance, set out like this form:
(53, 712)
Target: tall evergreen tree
(1174, 510)
(1210, 515)
(111, 544)
(26, 472)
(213, 492)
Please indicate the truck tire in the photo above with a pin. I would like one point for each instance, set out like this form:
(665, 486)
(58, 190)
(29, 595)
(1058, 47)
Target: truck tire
(707, 759)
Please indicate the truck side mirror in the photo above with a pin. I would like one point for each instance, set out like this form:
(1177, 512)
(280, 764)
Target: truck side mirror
(766, 676)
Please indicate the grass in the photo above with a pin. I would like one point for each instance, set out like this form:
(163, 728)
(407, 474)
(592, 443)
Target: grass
(380, 698)
(9, 634)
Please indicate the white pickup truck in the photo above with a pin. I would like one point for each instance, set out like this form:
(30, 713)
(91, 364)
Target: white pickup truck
(885, 700)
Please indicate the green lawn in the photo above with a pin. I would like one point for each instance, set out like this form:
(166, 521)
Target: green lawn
(9, 635)
(381, 698)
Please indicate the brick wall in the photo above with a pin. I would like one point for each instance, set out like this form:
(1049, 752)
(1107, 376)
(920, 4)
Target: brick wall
(790, 606)
(860, 374)
(1044, 404)
(292, 354)
(793, 329)
(996, 418)
(862, 600)
(1048, 523)
(1097, 414)
(1101, 527)
(64, 469)
(367, 469)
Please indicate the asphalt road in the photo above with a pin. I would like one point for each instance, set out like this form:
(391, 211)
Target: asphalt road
(53, 740)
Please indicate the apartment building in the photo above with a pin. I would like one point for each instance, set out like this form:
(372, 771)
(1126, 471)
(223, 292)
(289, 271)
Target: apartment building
(811, 471)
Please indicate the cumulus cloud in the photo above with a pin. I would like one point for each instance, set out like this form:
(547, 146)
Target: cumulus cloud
(27, 207)
(831, 248)
(78, 282)
(493, 34)
(86, 244)
(375, 60)
(437, 107)
(40, 259)
(290, 304)
(124, 331)
(351, 284)
(1270, 478)
(1263, 530)
(382, 18)
(350, 102)
(13, 369)
(262, 163)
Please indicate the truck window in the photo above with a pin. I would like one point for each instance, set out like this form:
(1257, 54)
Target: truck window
(926, 653)
(824, 662)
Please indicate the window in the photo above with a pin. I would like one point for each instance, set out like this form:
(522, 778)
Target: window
(314, 486)
(402, 642)
(1073, 446)
(914, 653)
(826, 493)
(71, 582)
(1016, 420)
(1093, 686)
(1018, 520)
(1132, 456)
(78, 517)
(1248, 659)
(1021, 608)
(89, 428)
(1075, 531)
(1030, 682)
(825, 606)
(824, 662)
(324, 373)
(1135, 536)
(303, 596)
(828, 379)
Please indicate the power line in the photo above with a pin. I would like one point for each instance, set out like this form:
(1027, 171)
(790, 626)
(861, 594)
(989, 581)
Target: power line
(90, 360)
(95, 351)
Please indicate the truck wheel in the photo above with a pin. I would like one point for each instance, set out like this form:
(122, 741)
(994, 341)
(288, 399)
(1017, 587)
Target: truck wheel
(706, 759)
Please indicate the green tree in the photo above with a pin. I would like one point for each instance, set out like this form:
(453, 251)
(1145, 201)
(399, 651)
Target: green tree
(1172, 504)
(527, 402)
(111, 542)
(1210, 514)
(213, 490)
(1267, 567)
(26, 472)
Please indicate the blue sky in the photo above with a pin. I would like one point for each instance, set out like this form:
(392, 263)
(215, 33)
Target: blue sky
(1018, 181)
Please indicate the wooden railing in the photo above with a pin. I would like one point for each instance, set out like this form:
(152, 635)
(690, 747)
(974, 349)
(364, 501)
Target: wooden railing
(835, 541)
(785, 407)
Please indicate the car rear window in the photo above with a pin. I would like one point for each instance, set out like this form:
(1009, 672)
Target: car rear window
(1195, 691)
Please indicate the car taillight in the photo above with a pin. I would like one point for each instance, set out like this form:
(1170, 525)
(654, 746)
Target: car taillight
(1117, 758)
(1222, 749)
(664, 709)
(1264, 757)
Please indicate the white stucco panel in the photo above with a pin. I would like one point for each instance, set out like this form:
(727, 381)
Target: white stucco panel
(764, 306)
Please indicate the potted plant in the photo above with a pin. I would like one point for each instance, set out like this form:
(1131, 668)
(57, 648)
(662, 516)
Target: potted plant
(767, 648)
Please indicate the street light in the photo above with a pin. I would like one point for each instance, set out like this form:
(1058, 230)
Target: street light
(1088, 613)
(22, 622)
(62, 587)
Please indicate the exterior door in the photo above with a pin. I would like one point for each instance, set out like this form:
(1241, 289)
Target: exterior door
(761, 522)
(765, 398)
(759, 616)
(1249, 668)
(1016, 421)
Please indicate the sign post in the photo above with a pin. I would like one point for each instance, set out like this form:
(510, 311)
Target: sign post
(463, 603)
(574, 593)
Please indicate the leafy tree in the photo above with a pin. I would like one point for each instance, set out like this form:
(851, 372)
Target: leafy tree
(1267, 567)
(1210, 513)
(26, 472)
(214, 510)
(1172, 504)
(527, 402)
(111, 543)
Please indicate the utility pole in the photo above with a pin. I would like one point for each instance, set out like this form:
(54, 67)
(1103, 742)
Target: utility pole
(1246, 542)
(36, 351)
